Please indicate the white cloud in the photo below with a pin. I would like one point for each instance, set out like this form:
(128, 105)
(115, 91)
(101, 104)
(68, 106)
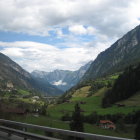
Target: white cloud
(77, 29)
(60, 82)
(37, 17)
(33, 55)
(13, 52)
(81, 30)
(104, 20)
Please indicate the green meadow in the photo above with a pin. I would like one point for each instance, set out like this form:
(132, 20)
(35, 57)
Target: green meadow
(92, 104)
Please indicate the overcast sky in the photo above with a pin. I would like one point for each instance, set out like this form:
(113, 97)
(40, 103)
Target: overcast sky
(62, 34)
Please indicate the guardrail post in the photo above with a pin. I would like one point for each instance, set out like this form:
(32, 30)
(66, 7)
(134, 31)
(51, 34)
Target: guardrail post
(9, 134)
(25, 129)
(50, 134)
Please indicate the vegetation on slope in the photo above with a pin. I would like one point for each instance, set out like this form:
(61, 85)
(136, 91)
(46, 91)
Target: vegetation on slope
(88, 105)
(125, 86)
(88, 88)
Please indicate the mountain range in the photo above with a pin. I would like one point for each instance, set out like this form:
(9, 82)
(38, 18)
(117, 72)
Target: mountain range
(62, 79)
(124, 52)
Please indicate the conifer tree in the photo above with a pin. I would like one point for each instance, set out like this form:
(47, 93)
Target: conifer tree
(77, 123)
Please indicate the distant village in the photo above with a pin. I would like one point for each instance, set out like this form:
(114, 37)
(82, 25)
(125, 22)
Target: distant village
(35, 106)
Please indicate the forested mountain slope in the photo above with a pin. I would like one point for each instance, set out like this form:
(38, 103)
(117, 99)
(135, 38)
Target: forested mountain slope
(127, 85)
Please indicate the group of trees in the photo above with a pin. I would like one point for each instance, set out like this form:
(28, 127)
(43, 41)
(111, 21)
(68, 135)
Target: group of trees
(94, 118)
(95, 86)
(131, 118)
(125, 86)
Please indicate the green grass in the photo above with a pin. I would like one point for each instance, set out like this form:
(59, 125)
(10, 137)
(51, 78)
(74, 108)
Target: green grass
(42, 120)
(97, 130)
(132, 101)
(23, 92)
(82, 92)
(115, 76)
(92, 104)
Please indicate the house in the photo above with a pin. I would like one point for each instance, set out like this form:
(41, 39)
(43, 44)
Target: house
(10, 85)
(107, 124)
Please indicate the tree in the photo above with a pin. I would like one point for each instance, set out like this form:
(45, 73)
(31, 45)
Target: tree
(137, 131)
(76, 123)
(120, 124)
(43, 110)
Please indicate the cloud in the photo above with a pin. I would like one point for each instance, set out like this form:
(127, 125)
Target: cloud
(13, 52)
(39, 56)
(38, 17)
(77, 29)
(81, 30)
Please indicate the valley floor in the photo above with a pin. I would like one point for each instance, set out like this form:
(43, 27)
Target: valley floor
(88, 105)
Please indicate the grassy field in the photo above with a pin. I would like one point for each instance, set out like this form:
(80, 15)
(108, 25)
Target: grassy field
(92, 104)
(23, 92)
(132, 101)
(82, 92)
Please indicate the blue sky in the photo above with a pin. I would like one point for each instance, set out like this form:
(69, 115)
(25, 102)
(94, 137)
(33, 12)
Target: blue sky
(62, 34)
(52, 38)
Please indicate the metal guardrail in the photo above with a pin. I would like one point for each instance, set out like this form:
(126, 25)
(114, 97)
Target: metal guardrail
(24, 135)
(24, 126)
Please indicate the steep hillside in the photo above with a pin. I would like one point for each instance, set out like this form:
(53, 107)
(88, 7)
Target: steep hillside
(88, 88)
(11, 74)
(121, 54)
(63, 79)
(127, 85)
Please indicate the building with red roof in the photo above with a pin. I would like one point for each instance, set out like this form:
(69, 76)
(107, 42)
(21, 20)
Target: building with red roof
(107, 124)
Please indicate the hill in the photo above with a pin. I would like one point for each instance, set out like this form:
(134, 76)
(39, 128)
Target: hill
(121, 54)
(14, 76)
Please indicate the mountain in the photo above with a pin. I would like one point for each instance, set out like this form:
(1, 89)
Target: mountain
(63, 79)
(122, 53)
(11, 72)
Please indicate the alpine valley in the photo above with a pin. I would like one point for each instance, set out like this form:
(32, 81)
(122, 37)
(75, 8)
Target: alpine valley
(107, 89)
(70, 69)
